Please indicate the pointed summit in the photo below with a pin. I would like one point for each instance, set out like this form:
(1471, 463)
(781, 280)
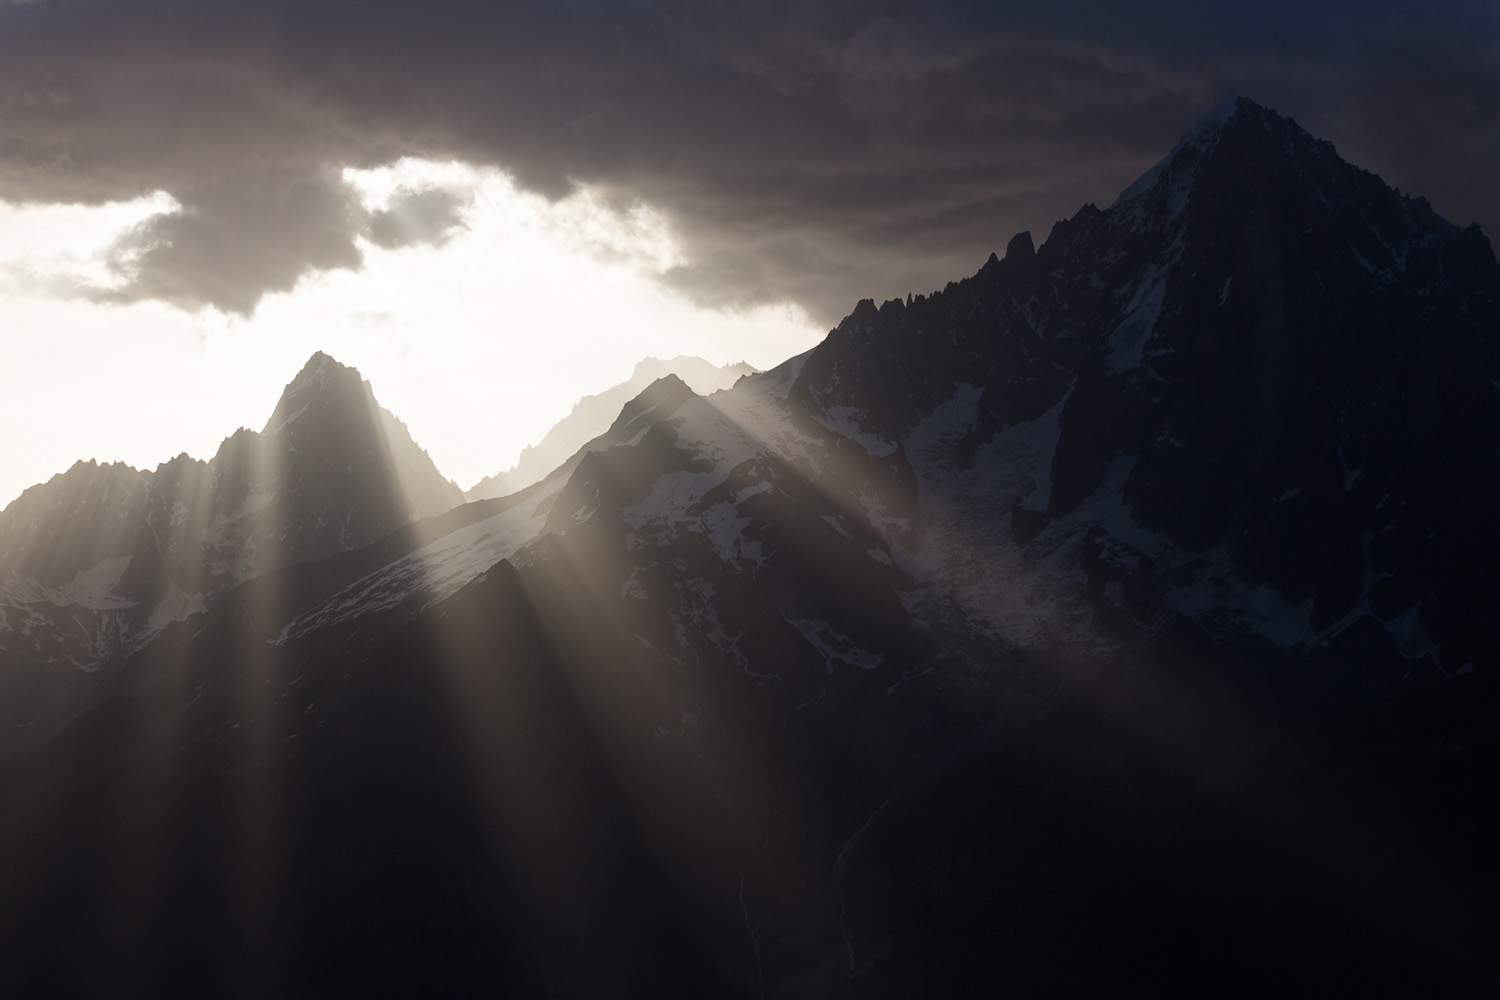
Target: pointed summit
(338, 447)
(664, 395)
(318, 367)
(1217, 115)
(1228, 352)
(1235, 140)
(113, 555)
(319, 371)
(321, 376)
(593, 416)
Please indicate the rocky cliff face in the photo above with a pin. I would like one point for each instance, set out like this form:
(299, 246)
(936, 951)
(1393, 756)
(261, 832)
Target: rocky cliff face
(1261, 372)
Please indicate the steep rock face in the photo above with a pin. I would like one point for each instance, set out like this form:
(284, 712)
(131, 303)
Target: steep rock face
(100, 559)
(1276, 380)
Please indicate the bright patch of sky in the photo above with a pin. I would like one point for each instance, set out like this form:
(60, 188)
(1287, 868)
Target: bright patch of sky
(479, 345)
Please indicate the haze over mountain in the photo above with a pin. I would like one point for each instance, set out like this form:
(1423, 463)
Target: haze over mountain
(97, 561)
(1122, 613)
(592, 415)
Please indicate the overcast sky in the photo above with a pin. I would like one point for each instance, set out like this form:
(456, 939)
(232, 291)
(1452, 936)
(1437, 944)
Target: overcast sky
(492, 208)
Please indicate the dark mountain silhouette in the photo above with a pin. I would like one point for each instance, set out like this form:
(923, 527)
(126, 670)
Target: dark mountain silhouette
(592, 415)
(1122, 614)
(1246, 392)
(97, 561)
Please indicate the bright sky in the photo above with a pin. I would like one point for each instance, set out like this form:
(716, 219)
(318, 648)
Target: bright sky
(479, 345)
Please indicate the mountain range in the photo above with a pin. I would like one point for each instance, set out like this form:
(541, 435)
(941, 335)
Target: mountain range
(98, 560)
(1123, 613)
(592, 415)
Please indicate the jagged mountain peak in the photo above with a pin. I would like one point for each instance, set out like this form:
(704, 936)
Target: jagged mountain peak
(321, 373)
(1219, 362)
(332, 471)
(334, 444)
(318, 368)
(595, 414)
(1227, 107)
(664, 395)
(321, 379)
(1260, 134)
(685, 366)
(82, 477)
(1246, 199)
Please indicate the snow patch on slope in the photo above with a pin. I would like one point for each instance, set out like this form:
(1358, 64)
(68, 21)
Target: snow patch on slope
(970, 572)
(833, 645)
(726, 529)
(176, 606)
(776, 383)
(1127, 344)
(230, 536)
(676, 500)
(93, 588)
(1027, 449)
(435, 570)
(844, 420)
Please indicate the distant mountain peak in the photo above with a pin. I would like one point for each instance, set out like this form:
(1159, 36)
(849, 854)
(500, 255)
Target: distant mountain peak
(320, 361)
(594, 415)
(689, 367)
(329, 419)
(321, 377)
(317, 372)
(666, 394)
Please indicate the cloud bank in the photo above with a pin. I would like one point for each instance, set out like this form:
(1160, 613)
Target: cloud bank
(812, 152)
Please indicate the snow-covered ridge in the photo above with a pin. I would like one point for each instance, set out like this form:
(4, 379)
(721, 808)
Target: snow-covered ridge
(435, 570)
(731, 430)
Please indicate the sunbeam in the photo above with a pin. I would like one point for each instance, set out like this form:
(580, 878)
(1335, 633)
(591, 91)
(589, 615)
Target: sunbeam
(1120, 616)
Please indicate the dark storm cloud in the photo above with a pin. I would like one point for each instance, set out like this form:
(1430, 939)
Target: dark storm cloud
(815, 151)
(239, 239)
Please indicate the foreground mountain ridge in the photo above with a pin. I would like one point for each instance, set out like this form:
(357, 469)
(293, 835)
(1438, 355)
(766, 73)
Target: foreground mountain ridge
(1122, 613)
